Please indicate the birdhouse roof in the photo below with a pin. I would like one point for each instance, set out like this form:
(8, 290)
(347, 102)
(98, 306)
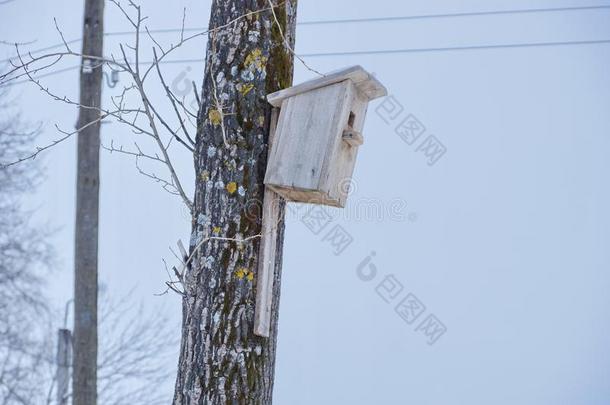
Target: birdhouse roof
(366, 83)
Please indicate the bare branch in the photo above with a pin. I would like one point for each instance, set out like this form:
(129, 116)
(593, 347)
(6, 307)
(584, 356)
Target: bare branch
(41, 149)
(171, 97)
(138, 153)
(129, 62)
(61, 34)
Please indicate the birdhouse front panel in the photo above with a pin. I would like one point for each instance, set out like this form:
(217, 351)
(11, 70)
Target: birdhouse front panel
(317, 137)
(305, 159)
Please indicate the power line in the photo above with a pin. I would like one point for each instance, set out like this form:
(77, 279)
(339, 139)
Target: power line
(423, 50)
(48, 48)
(452, 15)
(362, 20)
(40, 76)
(456, 48)
(376, 52)
(404, 18)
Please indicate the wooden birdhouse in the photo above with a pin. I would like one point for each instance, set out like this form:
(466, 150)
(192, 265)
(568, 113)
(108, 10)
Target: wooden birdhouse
(318, 134)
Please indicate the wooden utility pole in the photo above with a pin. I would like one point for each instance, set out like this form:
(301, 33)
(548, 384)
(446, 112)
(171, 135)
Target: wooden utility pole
(222, 360)
(84, 381)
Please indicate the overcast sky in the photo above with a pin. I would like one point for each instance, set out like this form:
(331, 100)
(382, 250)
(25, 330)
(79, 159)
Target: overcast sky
(503, 239)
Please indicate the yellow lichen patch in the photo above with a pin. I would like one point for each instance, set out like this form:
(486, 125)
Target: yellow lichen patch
(256, 59)
(232, 187)
(216, 230)
(246, 88)
(214, 116)
(261, 121)
(240, 273)
(230, 165)
(250, 276)
(205, 175)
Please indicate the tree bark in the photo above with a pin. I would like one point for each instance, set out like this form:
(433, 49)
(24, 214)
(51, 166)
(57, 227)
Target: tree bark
(221, 360)
(84, 382)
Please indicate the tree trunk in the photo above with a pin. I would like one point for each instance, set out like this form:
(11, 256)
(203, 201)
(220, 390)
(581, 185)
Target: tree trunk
(221, 360)
(84, 382)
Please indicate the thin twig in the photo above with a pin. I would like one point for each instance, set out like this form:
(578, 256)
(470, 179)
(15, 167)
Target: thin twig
(219, 107)
(287, 44)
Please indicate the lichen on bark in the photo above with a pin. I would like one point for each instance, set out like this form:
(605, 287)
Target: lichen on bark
(221, 360)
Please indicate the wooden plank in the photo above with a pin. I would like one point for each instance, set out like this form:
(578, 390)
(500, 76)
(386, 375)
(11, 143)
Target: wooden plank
(267, 250)
(306, 196)
(182, 250)
(335, 156)
(346, 154)
(310, 125)
(366, 83)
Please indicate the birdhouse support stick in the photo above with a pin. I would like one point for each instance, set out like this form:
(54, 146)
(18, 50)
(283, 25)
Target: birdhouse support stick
(266, 264)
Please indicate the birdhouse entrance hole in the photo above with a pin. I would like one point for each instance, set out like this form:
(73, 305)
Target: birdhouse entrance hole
(351, 119)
